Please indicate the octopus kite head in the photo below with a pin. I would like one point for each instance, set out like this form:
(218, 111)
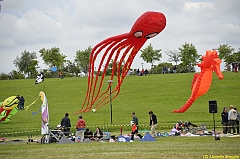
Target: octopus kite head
(211, 60)
(148, 25)
(10, 103)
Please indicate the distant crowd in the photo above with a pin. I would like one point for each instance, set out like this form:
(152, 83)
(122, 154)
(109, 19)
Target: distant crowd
(143, 72)
(165, 70)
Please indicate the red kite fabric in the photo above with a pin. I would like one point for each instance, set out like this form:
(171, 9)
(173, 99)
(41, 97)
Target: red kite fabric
(202, 81)
(134, 127)
(121, 49)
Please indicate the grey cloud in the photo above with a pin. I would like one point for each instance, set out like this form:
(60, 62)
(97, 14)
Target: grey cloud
(76, 24)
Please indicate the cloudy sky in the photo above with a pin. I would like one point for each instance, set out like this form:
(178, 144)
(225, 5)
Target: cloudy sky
(77, 24)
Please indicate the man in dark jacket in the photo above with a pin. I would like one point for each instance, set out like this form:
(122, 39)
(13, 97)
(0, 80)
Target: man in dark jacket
(66, 124)
(21, 103)
(225, 120)
(153, 122)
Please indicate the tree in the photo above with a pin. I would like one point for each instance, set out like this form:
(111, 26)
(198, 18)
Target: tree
(27, 63)
(53, 57)
(149, 55)
(71, 67)
(82, 58)
(237, 56)
(226, 54)
(189, 57)
(16, 75)
(110, 66)
(4, 76)
(174, 56)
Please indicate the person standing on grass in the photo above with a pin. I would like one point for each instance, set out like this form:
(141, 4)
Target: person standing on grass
(225, 120)
(66, 124)
(134, 124)
(232, 116)
(237, 120)
(80, 126)
(21, 103)
(153, 122)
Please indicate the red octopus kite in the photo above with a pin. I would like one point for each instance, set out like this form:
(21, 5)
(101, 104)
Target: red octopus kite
(121, 49)
(202, 81)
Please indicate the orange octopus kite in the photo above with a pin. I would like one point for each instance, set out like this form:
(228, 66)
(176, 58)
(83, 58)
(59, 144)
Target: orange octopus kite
(202, 81)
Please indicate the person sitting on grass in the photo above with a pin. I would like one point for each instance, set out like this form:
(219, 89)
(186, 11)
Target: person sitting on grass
(177, 129)
(178, 126)
(88, 134)
(98, 134)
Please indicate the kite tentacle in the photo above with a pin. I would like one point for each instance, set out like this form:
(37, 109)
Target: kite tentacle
(104, 71)
(93, 55)
(113, 71)
(114, 64)
(129, 61)
(124, 43)
(96, 79)
(112, 75)
(90, 77)
(128, 65)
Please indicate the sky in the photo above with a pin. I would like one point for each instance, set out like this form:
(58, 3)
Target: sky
(73, 25)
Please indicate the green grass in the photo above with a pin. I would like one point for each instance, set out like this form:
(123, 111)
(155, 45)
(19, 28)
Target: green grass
(165, 147)
(160, 93)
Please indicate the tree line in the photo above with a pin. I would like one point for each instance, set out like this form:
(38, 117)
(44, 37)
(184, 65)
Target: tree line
(184, 59)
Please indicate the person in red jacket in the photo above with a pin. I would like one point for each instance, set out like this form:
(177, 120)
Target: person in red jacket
(80, 127)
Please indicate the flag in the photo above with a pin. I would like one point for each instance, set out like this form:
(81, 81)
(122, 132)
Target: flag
(45, 114)
(40, 78)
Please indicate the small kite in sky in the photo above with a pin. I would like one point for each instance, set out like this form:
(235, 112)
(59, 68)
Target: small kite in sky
(54, 69)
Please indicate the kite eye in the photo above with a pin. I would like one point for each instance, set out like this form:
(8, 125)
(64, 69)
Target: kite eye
(151, 35)
(138, 34)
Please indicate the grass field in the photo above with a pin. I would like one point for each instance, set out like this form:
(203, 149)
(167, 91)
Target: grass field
(159, 93)
(165, 147)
